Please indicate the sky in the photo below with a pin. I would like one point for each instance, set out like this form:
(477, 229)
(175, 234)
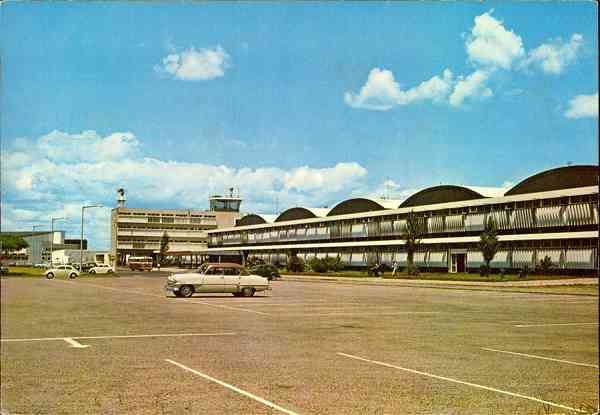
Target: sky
(294, 104)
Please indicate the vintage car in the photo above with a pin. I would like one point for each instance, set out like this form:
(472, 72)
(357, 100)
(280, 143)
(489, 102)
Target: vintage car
(62, 271)
(101, 269)
(217, 278)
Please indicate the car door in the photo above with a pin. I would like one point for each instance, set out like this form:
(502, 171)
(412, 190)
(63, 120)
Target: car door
(212, 281)
(61, 271)
(231, 280)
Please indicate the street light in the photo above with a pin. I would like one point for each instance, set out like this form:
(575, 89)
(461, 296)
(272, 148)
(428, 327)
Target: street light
(81, 240)
(52, 219)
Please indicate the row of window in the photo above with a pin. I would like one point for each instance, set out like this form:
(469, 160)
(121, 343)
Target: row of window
(575, 258)
(524, 218)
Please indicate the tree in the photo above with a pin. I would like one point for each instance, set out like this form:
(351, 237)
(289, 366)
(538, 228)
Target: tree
(488, 243)
(12, 243)
(412, 237)
(164, 246)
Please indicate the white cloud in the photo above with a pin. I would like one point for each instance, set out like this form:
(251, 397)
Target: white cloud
(196, 65)
(583, 106)
(491, 45)
(381, 92)
(334, 178)
(389, 189)
(471, 86)
(43, 181)
(87, 146)
(553, 57)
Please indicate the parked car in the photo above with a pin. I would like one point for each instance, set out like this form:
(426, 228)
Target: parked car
(101, 269)
(62, 271)
(3, 270)
(217, 278)
(268, 271)
(88, 266)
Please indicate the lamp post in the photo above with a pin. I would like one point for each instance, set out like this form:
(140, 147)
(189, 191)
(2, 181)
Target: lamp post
(81, 240)
(35, 241)
(52, 219)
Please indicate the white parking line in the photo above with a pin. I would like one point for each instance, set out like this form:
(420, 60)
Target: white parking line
(556, 324)
(233, 388)
(226, 307)
(74, 343)
(474, 385)
(129, 290)
(128, 336)
(359, 313)
(539, 357)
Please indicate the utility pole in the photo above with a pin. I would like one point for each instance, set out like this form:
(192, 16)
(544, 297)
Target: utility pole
(81, 240)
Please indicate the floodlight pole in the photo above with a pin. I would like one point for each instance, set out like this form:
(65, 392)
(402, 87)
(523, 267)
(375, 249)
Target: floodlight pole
(81, 240)
(52, 219)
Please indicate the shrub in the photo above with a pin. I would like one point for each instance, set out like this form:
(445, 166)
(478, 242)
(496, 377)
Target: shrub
(546, 264)
(317, 265)
(253, 261)
(295, 264)
(334, 264)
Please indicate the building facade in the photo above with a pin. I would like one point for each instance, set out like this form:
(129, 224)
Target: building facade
(551, 214)
(138, 232)
(40, 245)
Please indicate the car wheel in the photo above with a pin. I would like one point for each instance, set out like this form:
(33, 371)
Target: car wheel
(73, 276)
(92, 271)
(186, 291)
(109, 271)
(237, 294)
(247, 292)
(50, 276)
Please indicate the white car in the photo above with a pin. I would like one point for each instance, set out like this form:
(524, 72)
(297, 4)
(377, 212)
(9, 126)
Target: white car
(62, 271)
(101, 269)
(217, 278)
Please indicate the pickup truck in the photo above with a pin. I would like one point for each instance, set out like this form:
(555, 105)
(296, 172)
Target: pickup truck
(217, 278)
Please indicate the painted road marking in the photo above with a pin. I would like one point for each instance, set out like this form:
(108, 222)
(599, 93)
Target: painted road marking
(74, 343)
(165, 298)
(474, 385)
(556, 324)
(358, 313)
(225, 307)
(540, 357)
(233, 388)
(128, 336)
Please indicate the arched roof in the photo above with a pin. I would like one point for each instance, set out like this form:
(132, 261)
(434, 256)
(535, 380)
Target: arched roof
(301, 213)
(556, 179)
(251, 219)
(360, 204)
(449, 193)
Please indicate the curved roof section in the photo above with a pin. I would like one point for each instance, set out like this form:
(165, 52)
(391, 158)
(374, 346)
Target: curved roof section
(301, 213)
(556, 179)
(251, 219)
(449, 193)
(360, 204)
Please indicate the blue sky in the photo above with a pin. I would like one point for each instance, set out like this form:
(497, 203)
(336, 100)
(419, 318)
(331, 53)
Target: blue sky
(295, 104)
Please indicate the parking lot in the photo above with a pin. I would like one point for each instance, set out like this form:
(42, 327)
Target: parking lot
(119, 345)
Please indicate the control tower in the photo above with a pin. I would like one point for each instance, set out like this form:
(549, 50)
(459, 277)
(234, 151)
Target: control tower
(226, 208)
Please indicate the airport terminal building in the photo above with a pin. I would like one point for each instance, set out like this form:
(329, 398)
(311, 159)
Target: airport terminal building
(138, 231)
(553, 213)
